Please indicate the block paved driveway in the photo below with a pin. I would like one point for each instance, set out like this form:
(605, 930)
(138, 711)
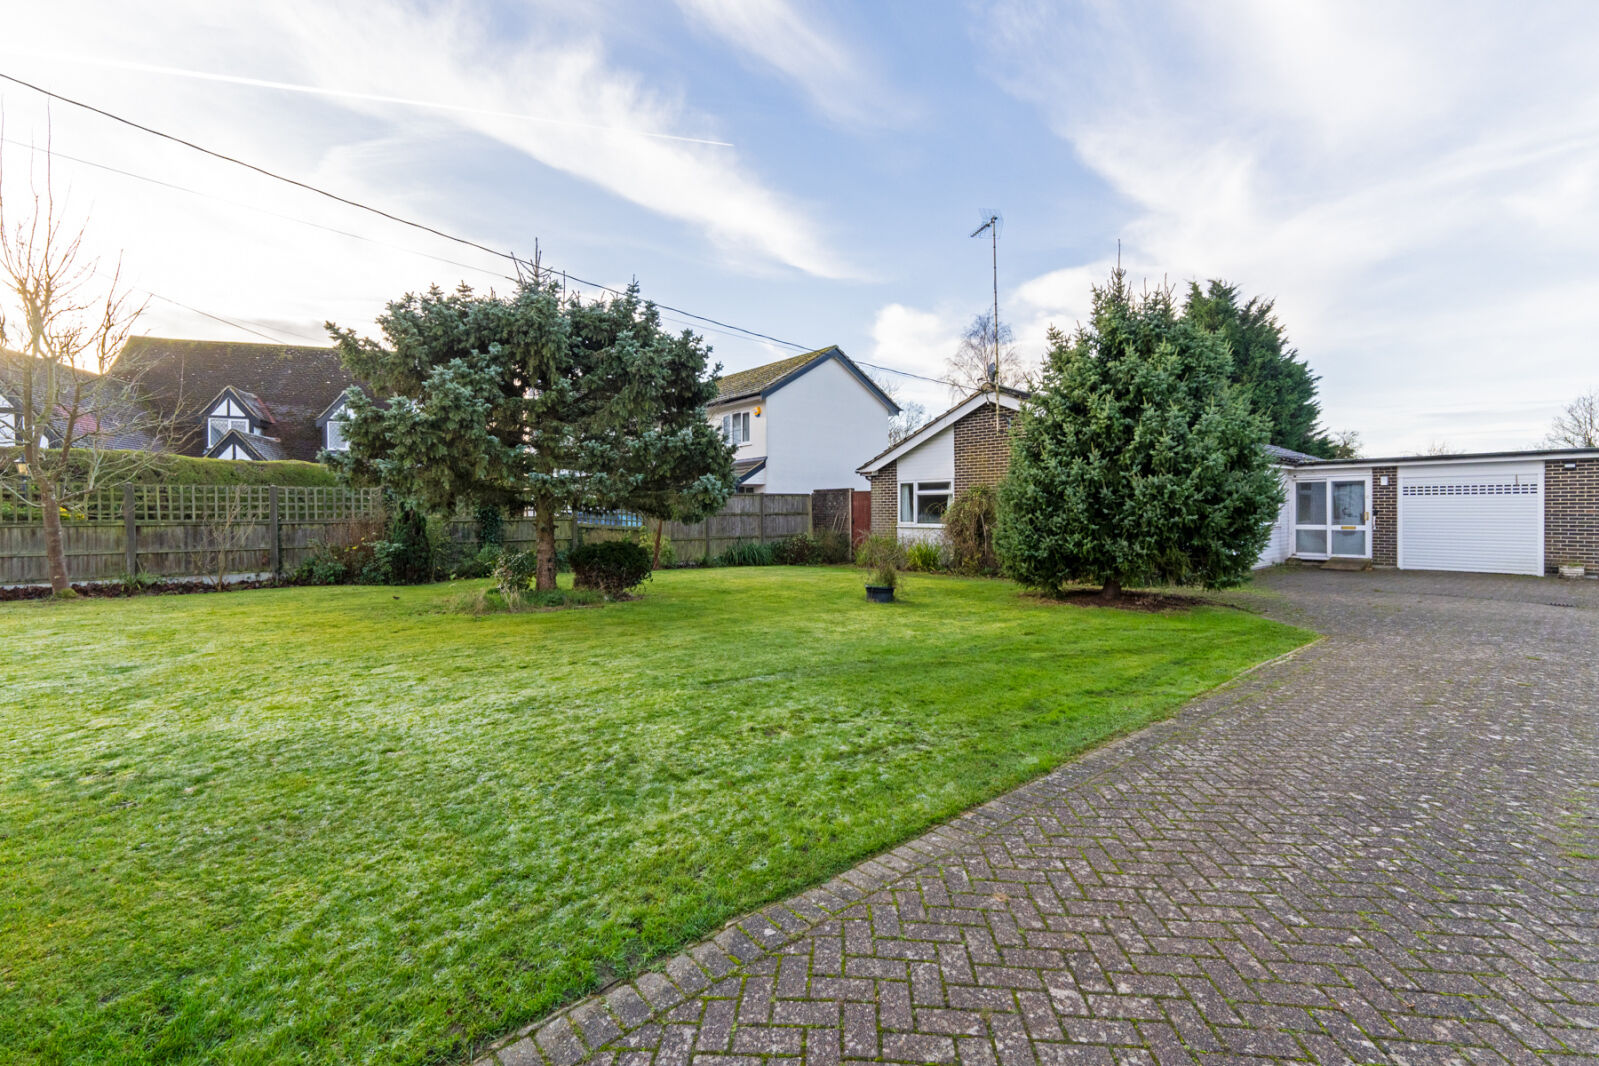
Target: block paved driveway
(1378, 850)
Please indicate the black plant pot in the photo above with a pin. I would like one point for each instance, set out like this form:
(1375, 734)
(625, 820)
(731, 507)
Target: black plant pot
(879, 593)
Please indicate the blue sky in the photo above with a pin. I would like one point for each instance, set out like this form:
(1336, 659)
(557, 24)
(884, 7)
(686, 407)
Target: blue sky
(1416, 185)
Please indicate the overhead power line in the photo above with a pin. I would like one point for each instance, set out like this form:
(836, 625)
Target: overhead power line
(422, 226)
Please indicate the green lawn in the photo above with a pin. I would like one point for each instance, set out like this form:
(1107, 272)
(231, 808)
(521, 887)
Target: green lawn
(337, 825)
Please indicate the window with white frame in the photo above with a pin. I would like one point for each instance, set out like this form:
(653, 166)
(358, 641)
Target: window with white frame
(736, 428)
(8, 425)
(220, 427)
(335, 433)
(923, 503)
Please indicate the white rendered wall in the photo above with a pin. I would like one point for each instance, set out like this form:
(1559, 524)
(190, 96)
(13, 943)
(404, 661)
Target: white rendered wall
(932, 460)
(818, 428)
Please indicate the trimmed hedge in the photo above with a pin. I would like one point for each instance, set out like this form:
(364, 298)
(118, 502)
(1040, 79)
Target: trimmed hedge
(188, 470)
(610, 566)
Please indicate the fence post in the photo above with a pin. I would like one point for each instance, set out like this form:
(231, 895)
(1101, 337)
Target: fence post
(706, 525)
(274, 539)
(810, 514)
(760, 518)
(130, 531)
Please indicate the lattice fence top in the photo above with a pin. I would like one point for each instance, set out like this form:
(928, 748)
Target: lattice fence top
(196, 504)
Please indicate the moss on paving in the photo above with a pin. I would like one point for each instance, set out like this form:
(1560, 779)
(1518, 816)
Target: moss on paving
(329, 825)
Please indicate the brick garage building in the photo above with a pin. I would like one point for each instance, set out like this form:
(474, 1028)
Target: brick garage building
(1526, 512)
(915, 480)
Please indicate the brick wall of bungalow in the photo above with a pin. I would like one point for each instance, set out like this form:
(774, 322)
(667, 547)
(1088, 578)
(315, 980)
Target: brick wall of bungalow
(982, 450)
(982, 455)
(1571, 513)
(885, 499)
(1385, 516)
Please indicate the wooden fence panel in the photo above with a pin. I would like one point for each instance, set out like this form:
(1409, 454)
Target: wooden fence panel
(758, 518)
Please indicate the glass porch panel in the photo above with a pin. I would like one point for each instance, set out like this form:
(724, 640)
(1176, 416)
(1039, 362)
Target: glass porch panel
(1310, 542)
(1349, 542)
(1349, 503)
(1310, 503)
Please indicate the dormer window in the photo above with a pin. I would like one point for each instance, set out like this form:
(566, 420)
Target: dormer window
(8, 424)
(333, 435)
(228, 414)
(736, 428)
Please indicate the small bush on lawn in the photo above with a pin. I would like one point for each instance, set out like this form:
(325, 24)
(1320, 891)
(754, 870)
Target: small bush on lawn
(513, 572)
(612, 567)
(969, 531)
(746, 553)
(811, 549)
(884, 556)
(923, 556)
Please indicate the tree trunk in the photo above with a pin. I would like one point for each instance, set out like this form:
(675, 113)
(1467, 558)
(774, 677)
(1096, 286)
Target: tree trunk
(655, 563)
(55, 552)
(544, 570)
(1111, 591)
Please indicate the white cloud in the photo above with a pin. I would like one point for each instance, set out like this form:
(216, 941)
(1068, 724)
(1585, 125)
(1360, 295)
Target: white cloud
(251, 263)
(1417, 201)
(918, 341)
(800, 49)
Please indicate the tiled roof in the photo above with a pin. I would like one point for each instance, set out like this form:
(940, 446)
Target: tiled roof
(265, 448)
(1289, 456)
(291, 384)
(743, 469)
(760, 380)
(752, 382)
(116, 426)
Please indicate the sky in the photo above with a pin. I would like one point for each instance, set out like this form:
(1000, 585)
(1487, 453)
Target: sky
(1415, 185)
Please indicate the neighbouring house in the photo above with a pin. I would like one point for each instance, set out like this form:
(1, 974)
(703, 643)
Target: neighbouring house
(1526, 512)
(914, 480)
(801, 423)
(105, 416)
(231, 400)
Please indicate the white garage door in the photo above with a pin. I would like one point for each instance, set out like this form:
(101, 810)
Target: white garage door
(1486, 518)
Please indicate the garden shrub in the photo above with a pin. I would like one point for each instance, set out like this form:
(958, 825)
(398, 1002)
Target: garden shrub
(969, 525)
(884, 555)
(513, 572)
(799, 550)
(923, 555)
(833, 548)
(746, 553)
(611, 566)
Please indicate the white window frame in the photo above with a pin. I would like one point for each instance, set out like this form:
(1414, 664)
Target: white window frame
(918, 489)
(8, 426)
(1323, 483)
(333, 433)
(219, 427)
(736, 428)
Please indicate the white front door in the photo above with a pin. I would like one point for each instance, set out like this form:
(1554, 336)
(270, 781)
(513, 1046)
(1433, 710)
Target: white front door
(1332, 518)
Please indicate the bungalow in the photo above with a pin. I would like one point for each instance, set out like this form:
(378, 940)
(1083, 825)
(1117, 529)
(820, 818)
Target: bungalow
(801, 423)
(232, 400)
(1526, 512)
(914, 480)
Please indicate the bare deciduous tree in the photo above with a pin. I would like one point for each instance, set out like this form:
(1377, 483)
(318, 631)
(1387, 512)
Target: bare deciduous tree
(225, 531)
(1578, 425)
(912, 415)
(1345, 444)
(967, 368)
(1442, 447)
(71, 424)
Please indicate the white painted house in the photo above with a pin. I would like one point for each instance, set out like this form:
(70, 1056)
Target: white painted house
(802, 423)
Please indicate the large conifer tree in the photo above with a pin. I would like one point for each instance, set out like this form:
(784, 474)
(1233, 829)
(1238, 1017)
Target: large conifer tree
(532, 399)
(1278, 384)
(1137, 461)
